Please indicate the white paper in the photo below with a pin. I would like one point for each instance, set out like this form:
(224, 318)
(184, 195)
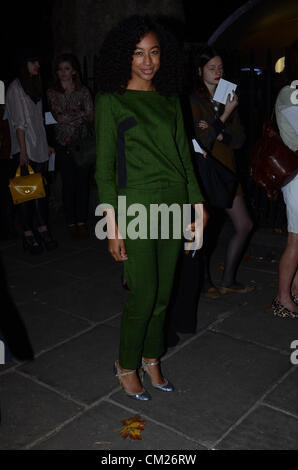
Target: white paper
(51, 166)
(197, 147)
(291, 114)
(49, 118)
(222, 91)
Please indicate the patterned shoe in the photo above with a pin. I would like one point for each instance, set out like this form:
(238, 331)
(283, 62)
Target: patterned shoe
(295, 298)
(281, 311)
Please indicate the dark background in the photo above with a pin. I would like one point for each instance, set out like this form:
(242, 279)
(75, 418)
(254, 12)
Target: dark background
(29, 22)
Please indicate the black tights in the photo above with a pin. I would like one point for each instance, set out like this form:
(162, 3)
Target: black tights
(243, 226)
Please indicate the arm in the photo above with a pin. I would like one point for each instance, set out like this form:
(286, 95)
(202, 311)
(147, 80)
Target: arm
(194, 192)
(88, 112)
(106, 149)
(17, 117)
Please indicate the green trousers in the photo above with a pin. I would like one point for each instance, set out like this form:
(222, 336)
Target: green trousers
(149, 272)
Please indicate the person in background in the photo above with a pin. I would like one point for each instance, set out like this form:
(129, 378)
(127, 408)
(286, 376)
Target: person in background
(71, 105)
(219, 132)
(286, 302)
(29, 146)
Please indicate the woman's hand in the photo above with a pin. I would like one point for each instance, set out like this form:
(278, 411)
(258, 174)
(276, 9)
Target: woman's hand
(219, 137)
(117, 249)
(231, 104)
(202, 124)
(24, 159)
(51, 150)
(116, 244)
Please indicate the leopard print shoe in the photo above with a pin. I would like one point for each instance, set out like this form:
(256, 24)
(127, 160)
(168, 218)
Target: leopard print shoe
(281, 311)
(295, 298)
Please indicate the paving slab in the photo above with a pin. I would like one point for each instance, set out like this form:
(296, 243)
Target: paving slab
(254, 323)
(47, 325)
(284, 396)
(93, 299)
(29, 410)
(31, 282)
(16, 252)
(83, 264)
(99, 429)
(217, 380)
(81, 368)
(263, 429)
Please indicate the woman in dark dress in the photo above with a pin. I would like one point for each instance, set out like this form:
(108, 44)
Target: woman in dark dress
(219, 131)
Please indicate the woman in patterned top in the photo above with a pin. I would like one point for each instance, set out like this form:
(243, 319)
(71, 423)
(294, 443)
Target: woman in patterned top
(72, 107)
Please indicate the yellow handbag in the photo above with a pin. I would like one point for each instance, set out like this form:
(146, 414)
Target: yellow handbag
(28, 187)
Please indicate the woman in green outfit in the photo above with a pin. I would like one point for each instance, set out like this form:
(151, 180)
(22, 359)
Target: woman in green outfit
(142, 154)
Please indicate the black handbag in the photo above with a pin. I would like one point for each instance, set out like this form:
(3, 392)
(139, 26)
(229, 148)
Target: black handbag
(218, 183)
(83, 150)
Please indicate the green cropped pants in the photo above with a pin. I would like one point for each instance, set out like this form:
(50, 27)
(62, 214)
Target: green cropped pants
(149, 272)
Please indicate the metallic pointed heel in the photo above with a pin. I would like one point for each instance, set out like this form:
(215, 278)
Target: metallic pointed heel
(165, 387)
(142, 396)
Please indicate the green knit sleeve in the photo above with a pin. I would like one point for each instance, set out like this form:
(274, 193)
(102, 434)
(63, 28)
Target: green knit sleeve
(194, 192)
(106, 150)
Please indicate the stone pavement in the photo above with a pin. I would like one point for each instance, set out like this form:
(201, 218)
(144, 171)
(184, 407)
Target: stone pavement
(236, 387)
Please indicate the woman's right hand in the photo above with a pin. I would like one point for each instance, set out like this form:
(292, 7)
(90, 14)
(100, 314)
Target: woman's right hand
(117, 249)
(231, 104)
(24, 159)
(116, 244)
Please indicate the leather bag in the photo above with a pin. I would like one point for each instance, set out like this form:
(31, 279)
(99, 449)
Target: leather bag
(274, 164)
(28, 187)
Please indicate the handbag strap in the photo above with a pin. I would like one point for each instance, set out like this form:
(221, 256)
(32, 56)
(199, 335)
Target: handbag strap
(18, 172)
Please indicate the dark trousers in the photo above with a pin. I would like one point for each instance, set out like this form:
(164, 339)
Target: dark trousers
(75, 187)
(38, 208)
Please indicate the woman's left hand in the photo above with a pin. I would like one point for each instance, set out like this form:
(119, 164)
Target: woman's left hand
(51, 150)
(202, 124)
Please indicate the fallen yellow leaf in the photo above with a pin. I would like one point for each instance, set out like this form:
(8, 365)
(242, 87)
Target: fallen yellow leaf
(132, 428)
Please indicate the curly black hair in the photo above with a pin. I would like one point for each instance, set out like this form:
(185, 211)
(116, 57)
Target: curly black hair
(114, 63)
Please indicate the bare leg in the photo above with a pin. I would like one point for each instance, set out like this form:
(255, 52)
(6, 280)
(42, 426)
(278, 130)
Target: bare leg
(131, 382)
(288, 273)
(243, 226)
(154, 372)
(295, 284)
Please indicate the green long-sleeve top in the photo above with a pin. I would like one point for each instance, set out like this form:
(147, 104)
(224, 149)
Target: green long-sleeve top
(140, 139)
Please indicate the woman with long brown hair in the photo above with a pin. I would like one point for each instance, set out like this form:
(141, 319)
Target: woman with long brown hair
(72, 107)
(29, 145)
(219, 131)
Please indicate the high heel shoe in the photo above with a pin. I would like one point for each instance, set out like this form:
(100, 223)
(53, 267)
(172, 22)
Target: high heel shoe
(281, 311)
(165, 387)
(142, 396)
(47, 240)
(31, 244)
(295, 298)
